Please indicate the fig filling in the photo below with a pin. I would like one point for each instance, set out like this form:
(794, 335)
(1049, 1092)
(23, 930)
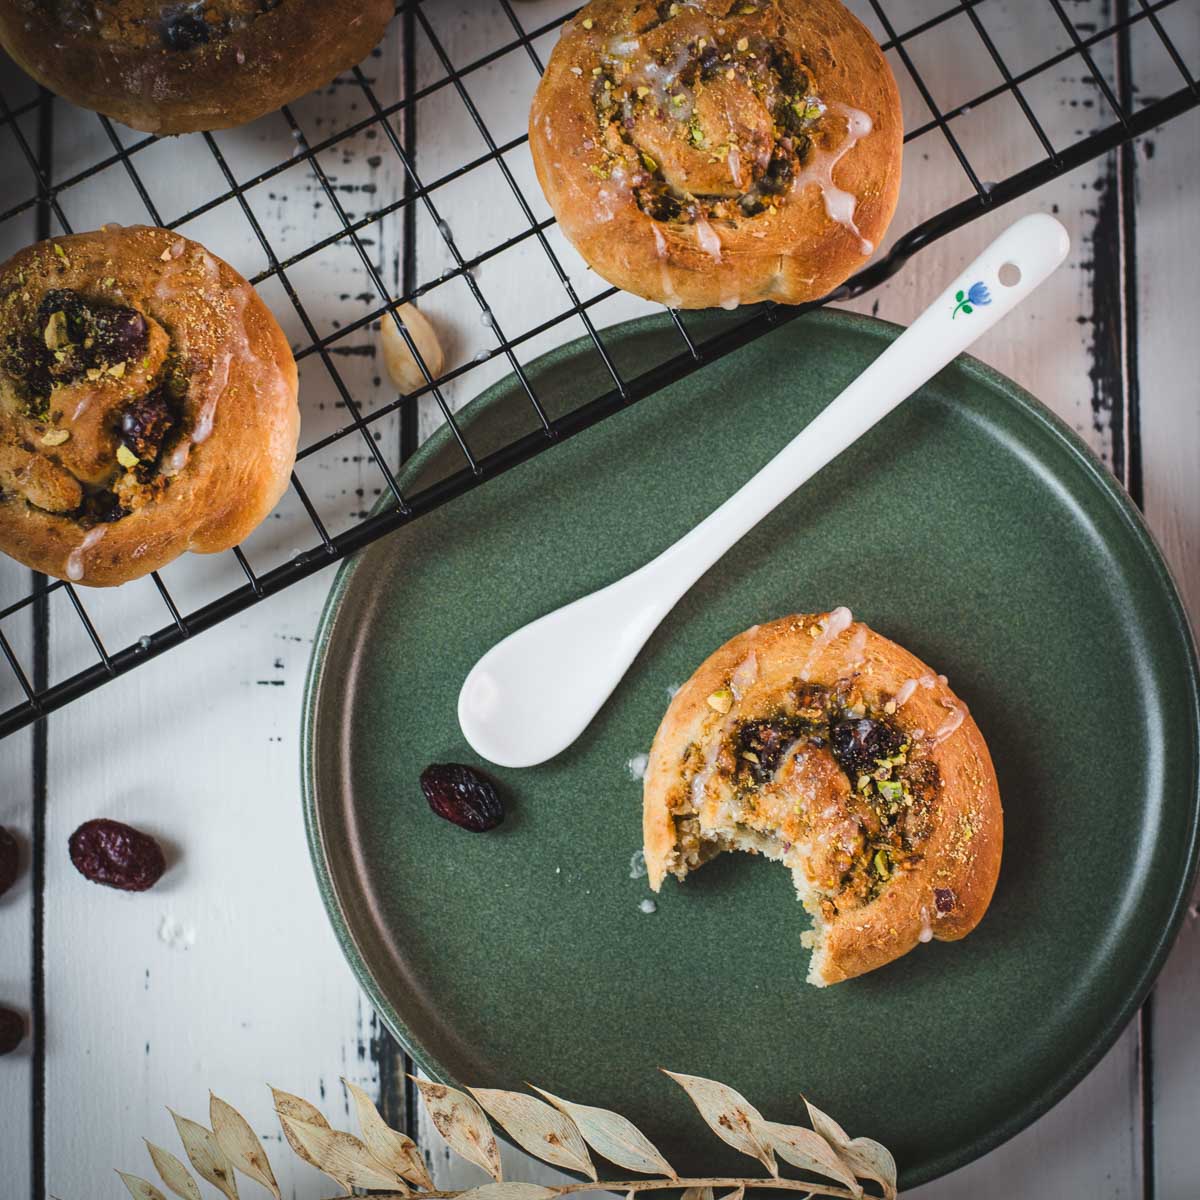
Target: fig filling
(827, 782)
(707, 119)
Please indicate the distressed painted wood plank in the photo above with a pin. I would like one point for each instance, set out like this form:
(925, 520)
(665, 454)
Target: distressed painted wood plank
(1168, 367)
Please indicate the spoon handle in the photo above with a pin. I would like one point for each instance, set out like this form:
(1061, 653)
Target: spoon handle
(1021, 258)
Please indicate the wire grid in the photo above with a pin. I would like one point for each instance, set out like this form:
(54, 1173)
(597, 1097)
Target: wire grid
(392, 119)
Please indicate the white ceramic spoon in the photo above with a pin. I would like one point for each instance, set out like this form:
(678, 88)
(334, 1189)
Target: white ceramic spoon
(535, 692)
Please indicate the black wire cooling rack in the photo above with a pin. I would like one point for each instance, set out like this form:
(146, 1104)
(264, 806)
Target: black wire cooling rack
(1102, 52)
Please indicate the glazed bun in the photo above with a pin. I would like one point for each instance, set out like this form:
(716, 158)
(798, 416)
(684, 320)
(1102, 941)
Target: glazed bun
(824, 746)
(147, 404)
(174, 67)
(717, 152)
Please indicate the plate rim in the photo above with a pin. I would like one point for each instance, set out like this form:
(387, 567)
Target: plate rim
(1058, 430)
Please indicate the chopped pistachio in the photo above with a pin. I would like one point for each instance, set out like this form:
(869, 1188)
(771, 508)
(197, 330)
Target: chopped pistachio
(650, 163)
(730, 73)
(587, 22)
(890, 789)
(55, 335)
(55, 437)
(881, 864)
(750, 756)
(864, 782)
(643, 92)
(696, 134)
(126, 457)
(94, 373)
(61, 254)
(117, 370)
(721, 700)
(743, 43)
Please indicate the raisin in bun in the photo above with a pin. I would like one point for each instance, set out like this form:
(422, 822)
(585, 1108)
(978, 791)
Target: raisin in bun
(173, 67)
(819, 743)
(719, 152)
(147, 404)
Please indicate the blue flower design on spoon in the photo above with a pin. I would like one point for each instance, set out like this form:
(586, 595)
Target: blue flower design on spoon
(971, 299)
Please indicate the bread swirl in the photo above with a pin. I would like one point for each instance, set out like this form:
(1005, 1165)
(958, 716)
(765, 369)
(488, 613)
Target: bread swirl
(172, 66)
(147, 404)
(719, 152)
(819, 743)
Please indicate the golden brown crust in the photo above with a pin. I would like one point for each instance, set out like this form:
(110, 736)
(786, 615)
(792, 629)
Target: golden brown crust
(949, 865)
(247, 58)
(713, 110)
(188, 427)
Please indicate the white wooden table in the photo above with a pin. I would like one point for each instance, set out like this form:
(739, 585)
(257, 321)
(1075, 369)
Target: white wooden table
(226, 975)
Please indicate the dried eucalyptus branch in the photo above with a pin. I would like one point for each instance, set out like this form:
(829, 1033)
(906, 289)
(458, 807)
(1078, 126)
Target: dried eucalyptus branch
(560, 1132)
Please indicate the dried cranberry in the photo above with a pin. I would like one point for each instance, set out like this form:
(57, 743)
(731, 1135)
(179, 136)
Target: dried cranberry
(119, 334)
(145, 422)
(183, 27)
(12, 1030)
(8, 860)
(116, 855)
(943, 900)
(462, 796)
(858, 745)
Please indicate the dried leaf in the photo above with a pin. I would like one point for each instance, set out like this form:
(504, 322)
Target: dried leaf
(537, 1128)
(508, 1191)
(807, 1150)
(729, 1115)
(394, 1150)
(738, 1193)
(140, 1189)
(864, 1156)
(205, 1155)
(298, 1109)
(241, 1146)
(340, 1155)
(173, 1173)
(461, 1122)
(614, 1137)
(697, 1193)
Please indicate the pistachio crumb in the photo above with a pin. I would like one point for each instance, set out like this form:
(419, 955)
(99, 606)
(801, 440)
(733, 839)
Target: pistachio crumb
(55, 437)
(721, 700)
(126, 457)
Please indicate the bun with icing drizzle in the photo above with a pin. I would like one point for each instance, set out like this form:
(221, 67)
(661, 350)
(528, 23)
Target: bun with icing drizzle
(719, 152)
(147, 404)
(173, 66)
(824, 746)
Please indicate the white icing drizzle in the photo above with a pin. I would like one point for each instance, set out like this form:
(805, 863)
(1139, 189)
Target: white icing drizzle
(74, 567)
(730, 303)
(637, 765)
(958, 712)
(926, 934)
(707, 239)
(735, 166)
(660, 242)
(910, 685)
(839, 204)
(744, 675)
(836, 623)
(858, 648)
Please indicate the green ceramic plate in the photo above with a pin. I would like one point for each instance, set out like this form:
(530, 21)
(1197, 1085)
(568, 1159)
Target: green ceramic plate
(972, 527)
